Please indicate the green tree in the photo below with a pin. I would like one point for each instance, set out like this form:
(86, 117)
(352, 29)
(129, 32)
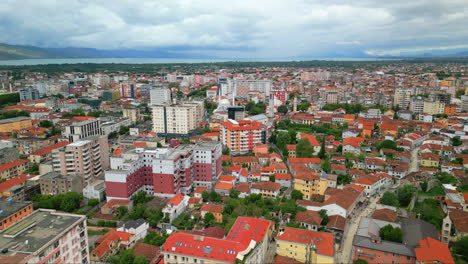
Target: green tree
(126, 256)
(322, 152)
(325, 218)
(325, 165)
(205, 196)
(423, 186)
(388, 144)
(121, 211)
(461, 247)
(234, 194)
(405, 194)
(389, 198)
(390, 233)
(208, 219)
(139, 198)
(283, 109)
(297, 195)
(360, 261)
(215, 197)
(304, 149)
(344, 179)
(93, 202)
(140, 260)
(456, 141)
(46, 123)
(70, 202)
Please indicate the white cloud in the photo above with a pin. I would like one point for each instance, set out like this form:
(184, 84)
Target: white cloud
(280, 28)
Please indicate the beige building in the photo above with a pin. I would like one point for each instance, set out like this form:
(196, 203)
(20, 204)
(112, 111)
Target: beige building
(434, 108)
(131, 113)
(54, 183)
(402, 98)
(13, 168)
(84, 126)
(177, 119)
(88, 157)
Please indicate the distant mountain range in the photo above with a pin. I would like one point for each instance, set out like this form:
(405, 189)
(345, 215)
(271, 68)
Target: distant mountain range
(16, 52)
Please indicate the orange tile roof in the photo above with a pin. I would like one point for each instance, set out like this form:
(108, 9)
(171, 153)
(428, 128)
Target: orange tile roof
(176, 199)
(313, 141)
(139, 144)
(227, 178)
(118, 152)
(270, 186)
(282, 176)
(14, 181)
(304, 160)
(224, 186)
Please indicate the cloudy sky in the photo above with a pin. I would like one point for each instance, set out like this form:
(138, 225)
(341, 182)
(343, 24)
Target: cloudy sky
(241, 28)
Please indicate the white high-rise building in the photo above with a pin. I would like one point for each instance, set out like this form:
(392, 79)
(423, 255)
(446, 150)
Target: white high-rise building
(402, 98)
(177, 119)
(160, 96)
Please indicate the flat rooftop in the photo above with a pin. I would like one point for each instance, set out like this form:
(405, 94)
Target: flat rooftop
(9, 208)
(35, 231)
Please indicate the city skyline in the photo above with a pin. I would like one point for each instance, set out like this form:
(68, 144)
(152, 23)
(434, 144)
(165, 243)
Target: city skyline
(241, 29)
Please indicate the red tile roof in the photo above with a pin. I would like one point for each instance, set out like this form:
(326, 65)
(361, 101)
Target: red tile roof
(243, 187)
(212, 208)
(432, 251)
(353, 141)
(47, 150)
(459, 219)
(313, 141)
(285, 260)
(146, 250)
(304, 160)
(14, 181)
(385, 215)
(200, 190)
(118, 152)
(227, 178)
(11, 164)
(337, 222)
(269, 186)
(323, 241)
(309, 217)
(282, 176)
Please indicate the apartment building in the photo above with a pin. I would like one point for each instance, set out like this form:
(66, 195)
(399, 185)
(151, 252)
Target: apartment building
(241, 136)
(110, 95)
(127, 89)
(13, 211)
(16, 123)
(160, 96)
(46, 153)
(13, 168)
(82, 127)
(402, 98)
(53, 183)
(315, 76)
(46, 236)
(180, 119)
(246, 242)
(241, 88)
(88, 157)
(417, 105)
(132, 113)
(163, 172)
(306, 246)
(28, 93)
(434, 108)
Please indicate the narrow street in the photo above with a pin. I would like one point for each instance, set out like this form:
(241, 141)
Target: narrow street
(345, 255)
(414, 164)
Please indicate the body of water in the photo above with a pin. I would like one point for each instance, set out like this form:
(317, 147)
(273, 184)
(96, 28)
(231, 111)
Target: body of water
(155, 61)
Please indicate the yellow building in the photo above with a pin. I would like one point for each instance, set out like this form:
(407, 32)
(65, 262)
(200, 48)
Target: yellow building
(310, 184)
(216, 210)
(429, 160)
(13, 168)
(434, 108)
(16, 123)
(306, 246)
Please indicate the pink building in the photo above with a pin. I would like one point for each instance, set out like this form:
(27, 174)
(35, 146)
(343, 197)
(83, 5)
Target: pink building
(163, 172)
(127, 89)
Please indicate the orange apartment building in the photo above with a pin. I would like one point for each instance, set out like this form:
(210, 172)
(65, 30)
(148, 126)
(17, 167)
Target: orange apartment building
(242, 136)
(13, 211)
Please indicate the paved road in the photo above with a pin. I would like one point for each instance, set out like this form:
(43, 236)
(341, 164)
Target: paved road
(414, 164)
(346, 251)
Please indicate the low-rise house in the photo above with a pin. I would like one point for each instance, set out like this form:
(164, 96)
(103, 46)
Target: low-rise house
(311, 220)
(460, 221)
(216, 210)
(375, 164)
(243, 189)
(291, 150)
(431, 250)
(199, 191)
(95, 190)
(223, 188)
(279, 167)
(352, 145)
(312, 163)
(112, 205)
(429, 160)
(176, 206)
(338, 169)
(385, 214)
(266, 189)
(111, 243)
(284, 179)
(247, 160)
(139, 228)
(295, 243)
